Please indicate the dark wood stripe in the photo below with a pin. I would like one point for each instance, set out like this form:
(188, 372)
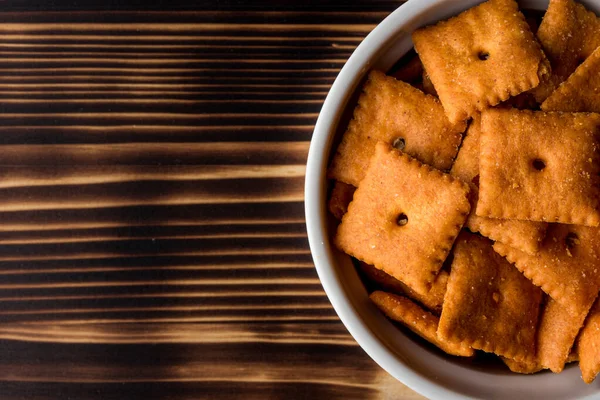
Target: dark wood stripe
(202, 214)
(46, 135)
(165, 232)
(292, 333)
(152, 192)
(156, 153)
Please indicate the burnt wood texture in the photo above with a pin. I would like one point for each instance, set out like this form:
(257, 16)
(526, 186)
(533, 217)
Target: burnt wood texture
(152, 237)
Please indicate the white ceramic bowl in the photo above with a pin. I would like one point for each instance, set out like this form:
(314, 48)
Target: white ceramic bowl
(418, 366)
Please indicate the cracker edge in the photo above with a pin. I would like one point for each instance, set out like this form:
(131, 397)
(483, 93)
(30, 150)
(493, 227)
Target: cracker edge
(443, 249)
(516, 355)
(511, 254)
(406, 311)
(592, 220)
(591, 370)
(543, 73)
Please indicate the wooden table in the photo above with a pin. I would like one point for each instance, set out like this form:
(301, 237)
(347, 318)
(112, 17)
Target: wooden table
(152, 238)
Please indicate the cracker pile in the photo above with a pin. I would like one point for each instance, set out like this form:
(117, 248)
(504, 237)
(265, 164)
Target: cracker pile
(468, 187)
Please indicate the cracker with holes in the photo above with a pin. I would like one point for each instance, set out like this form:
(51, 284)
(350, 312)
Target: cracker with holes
(556, 334)
(539, 166)
(524, 235)
(404, 218)
(588, 345)
(432, 300)
(567, 266)
(489, 305)
(581, 91)
(481, 57)
(394, 112)
(421, 322)
(568, 34)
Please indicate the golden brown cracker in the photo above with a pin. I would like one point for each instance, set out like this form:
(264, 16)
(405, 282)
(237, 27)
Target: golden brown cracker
(568, 34)
(524, 235)
(588, 345)
(489, 305)
(410, 71)
(531, 367)
(341, 196)
(522, 367)
(539, 166)
(481, 57)
(567, 266)
(428, 85)
(419, 321)
(432, 300)
(404, 218)
(557, 331)
(581, 91)
(573, 357)
(466, 164)
(398, 114)
(523, 101)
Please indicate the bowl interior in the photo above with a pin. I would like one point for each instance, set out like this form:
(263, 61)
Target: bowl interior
(413, 362)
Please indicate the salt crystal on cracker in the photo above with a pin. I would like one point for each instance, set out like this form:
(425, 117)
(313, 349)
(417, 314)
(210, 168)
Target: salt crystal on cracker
(567, 266)
(481, 57)
(524, 235)
(539, 166)
(404, 218)
(569, 33)
(489, 305)
(419, 321)
(394, 112)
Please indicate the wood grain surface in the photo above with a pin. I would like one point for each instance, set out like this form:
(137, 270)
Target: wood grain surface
(152, 237)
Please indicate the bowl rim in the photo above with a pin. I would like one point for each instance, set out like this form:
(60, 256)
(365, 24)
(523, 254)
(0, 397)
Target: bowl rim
(316, 191)
(315, 195)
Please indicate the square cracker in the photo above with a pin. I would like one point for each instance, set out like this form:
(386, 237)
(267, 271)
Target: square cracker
(568, 34)
(539, 166)
(481, 57)
(489, 305)
(394, 112)
(567, 266)
(524, 235)
(421, 322)
(404, 218)
(588, 345)
(581, 91)
(432, 300)
(556, 335)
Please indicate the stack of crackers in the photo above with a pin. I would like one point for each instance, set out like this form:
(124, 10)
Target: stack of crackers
(467, 185)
